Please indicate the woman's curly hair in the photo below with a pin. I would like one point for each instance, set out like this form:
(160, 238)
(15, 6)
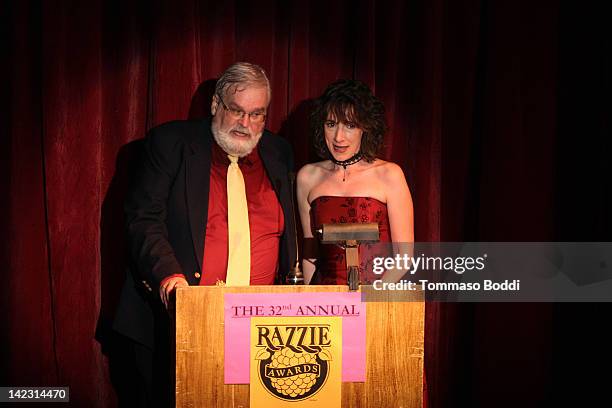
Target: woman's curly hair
(350, 100)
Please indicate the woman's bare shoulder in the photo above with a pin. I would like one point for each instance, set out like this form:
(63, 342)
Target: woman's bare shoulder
(310, 174)
(388, 171)
(311, 170)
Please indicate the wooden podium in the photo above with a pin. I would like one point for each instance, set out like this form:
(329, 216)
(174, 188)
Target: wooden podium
(394, 350)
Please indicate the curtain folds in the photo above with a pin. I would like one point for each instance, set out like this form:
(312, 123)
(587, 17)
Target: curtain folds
(472, 96)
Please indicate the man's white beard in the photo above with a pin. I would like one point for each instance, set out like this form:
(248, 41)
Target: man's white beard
(233, 146)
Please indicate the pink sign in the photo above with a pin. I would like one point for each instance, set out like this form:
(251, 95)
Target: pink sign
(239, 308)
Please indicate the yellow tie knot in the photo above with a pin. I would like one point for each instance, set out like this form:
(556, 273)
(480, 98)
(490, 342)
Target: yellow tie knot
(232, 159)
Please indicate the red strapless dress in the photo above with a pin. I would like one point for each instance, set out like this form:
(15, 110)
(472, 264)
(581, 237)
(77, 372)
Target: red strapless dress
(331, 263)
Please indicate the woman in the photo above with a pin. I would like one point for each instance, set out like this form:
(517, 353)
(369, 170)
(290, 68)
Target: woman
(352, 184)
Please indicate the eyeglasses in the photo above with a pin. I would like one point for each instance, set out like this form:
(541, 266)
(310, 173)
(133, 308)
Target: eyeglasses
(255, 117)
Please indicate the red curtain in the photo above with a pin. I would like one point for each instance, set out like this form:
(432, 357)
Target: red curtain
(472, 96)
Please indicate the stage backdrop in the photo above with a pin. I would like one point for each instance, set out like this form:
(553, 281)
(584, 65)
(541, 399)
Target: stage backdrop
(472, 96)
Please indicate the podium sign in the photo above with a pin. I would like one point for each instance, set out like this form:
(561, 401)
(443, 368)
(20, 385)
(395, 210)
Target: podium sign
(394, 351)
(241, 307)
(296, 362)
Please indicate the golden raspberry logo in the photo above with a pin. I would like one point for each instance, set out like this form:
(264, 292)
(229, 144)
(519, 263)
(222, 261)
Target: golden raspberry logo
(293, 362)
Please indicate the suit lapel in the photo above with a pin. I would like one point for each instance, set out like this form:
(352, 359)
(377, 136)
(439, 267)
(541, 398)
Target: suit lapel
(198, 185)
(277, 171)
(275, 168)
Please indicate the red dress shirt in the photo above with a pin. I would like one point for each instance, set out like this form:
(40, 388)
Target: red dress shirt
(266, 221)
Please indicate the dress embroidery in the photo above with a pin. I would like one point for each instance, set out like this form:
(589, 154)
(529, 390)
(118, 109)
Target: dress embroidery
(331, 265)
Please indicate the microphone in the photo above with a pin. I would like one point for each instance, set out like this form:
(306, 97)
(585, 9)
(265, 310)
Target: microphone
(295, 275)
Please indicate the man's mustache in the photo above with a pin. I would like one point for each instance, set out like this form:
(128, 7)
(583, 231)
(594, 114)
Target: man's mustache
(242, 130)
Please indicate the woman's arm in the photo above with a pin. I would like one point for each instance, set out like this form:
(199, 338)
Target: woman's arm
(399, 204)
(401, 217)
(304, 185)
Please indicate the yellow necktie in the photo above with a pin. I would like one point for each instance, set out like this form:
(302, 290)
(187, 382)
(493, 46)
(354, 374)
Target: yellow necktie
(239, 236)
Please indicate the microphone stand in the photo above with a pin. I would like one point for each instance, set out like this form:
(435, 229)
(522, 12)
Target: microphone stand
(295, 276)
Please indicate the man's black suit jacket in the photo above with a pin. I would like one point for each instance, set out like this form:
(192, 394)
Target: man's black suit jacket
(166, 213)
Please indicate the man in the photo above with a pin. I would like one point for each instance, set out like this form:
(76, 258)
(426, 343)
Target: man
(195, 176)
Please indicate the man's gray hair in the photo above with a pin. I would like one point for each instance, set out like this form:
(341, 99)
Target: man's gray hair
(241, 74)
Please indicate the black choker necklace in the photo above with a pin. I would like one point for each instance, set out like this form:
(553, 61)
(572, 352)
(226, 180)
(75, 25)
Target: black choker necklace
(345, 163)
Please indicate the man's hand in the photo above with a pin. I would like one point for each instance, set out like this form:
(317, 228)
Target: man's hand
(168, 286)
